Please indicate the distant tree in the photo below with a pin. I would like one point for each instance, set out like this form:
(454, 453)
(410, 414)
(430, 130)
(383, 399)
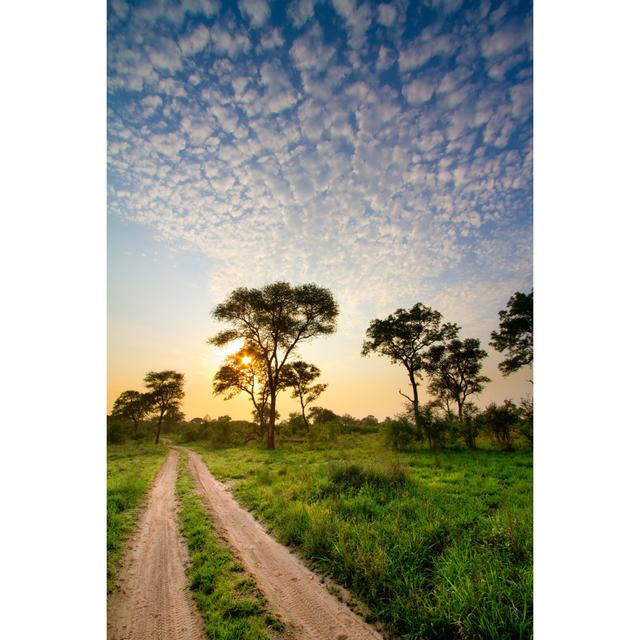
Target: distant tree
(320, 415)
(132, 405)
(369, 420)
(500, 420)
(299, 376)
(455, 368)
(165, 394)
(245, 372)
(275, 320)
(526, 418)
(516, 333)
(404, 337)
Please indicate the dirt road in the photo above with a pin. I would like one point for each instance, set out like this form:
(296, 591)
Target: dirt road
(151, 601)
(292, 590)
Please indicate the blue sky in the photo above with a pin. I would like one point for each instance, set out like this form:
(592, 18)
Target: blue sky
(381, 150)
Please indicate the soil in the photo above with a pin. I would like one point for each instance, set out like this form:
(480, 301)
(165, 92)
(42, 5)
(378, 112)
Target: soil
(151, 600)
(292, 591)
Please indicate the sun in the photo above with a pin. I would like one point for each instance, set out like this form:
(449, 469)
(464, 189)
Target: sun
(246, 360)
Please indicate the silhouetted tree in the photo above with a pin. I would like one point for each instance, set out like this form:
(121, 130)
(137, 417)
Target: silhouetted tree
(516, 333)
(404, 337)
(131, 405)
(244, 371)
(165, 393)
(299, 376)
(320, 415)
(455, 368)
(275, 320)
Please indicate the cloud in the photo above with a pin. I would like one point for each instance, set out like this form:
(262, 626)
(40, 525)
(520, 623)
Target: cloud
(386, 14)
(195, 41)
(418, 91)
(257, 11)
(300, 11)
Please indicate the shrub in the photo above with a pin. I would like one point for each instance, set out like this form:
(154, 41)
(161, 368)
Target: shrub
(500, 422)
(398, 433)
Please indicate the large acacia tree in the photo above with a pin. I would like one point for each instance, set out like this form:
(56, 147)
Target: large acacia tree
(405, 337)
(165, 393)
(275, 319)
(516, 333)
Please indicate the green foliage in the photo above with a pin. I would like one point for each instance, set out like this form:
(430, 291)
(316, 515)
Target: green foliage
(130, 471)
(165, 394)
(398, 433)
(231, 606)
(516, 333)
(500, 422)
(442, 547)
(525, 426)
(405, 337)
(455, 369)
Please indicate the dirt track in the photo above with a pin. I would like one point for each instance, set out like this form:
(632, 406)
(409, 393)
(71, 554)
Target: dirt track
(151, 601)
(292, 590)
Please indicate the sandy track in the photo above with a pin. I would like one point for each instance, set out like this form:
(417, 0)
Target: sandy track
(292, 591)
(151, 601)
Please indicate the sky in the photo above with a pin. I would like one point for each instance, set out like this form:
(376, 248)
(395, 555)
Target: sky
(381, 150)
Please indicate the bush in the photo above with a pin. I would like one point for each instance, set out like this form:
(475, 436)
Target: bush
(500, 422)
(398, 433)
(116, 432)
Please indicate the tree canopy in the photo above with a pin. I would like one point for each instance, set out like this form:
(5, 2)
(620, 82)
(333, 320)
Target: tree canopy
(516, 333)
(132, 405)
(274, 320)
(165, 393)
(299, 376)
(405, 337)
(455, 368)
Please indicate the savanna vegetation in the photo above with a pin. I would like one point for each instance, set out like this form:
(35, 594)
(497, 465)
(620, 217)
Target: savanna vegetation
(425, 516)
(130, 470)
(437, 544)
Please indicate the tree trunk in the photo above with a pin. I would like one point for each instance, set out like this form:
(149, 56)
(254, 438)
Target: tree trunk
(271, 434)
(158, 428)
(416, 408)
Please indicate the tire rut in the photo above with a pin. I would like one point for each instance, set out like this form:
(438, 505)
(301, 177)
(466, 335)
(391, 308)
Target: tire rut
(151, 601)
(293, 591)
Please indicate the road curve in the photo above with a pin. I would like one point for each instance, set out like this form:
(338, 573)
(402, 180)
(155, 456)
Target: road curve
(293, 592)
(151, 601)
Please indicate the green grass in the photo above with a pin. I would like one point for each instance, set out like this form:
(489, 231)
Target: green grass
(436, 544)
(130, 470)
(231, 606)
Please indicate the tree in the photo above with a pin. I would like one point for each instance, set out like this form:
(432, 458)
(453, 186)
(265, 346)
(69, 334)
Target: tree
(500, 420)
(516, 333)
(244, 371)
(299, 376)
(275, 320)
(454, 368)
(404, 337)
(133, 406)
(165, 393)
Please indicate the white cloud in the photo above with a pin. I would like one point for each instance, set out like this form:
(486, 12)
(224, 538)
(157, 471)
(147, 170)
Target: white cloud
(195, 41)
(257, 11)
(418, 91)
(300, 11)
(229, 43)
(386, 14)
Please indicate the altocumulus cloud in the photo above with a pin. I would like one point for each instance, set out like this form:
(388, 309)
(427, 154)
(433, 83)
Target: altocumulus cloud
(380, 149)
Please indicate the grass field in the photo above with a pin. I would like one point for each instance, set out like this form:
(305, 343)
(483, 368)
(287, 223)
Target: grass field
(231, 606)
(130, 470)
(436, 544)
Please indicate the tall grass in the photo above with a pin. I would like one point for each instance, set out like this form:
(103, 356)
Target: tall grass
(436, 544)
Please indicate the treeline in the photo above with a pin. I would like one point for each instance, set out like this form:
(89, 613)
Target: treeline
(273, 321)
